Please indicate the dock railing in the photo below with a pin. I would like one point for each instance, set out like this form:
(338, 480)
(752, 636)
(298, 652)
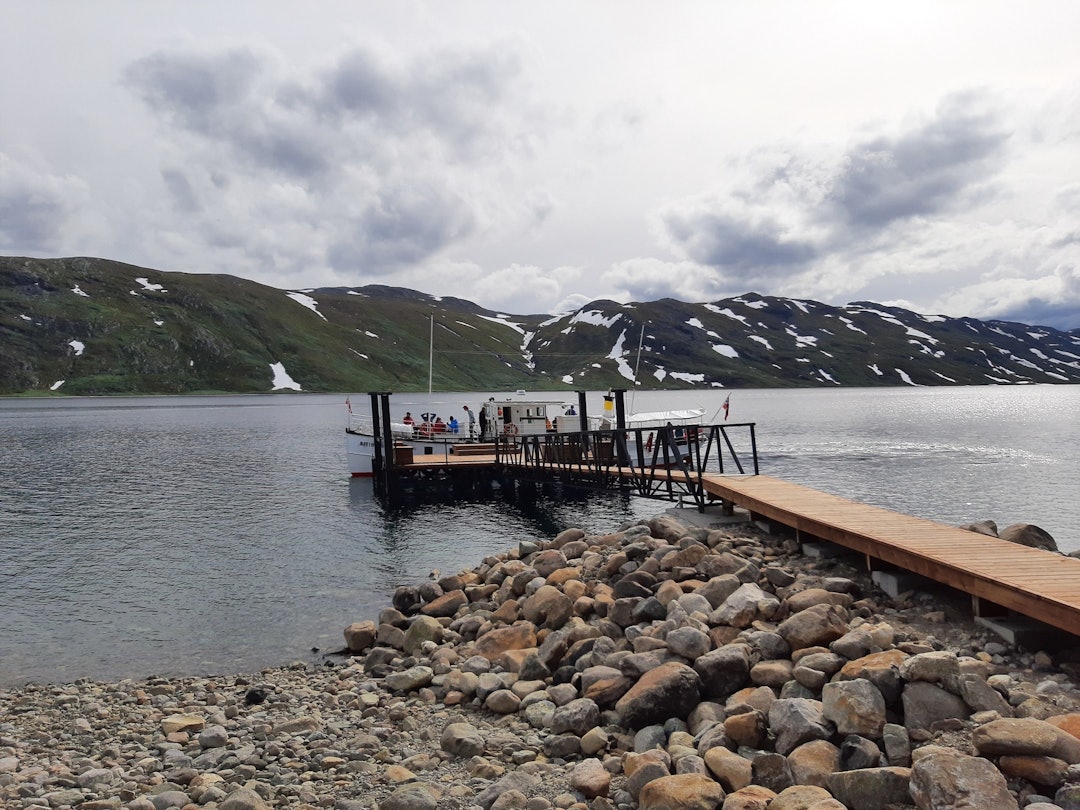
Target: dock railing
(660, 462)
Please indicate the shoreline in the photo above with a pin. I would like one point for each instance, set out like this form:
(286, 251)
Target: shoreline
(608, 672)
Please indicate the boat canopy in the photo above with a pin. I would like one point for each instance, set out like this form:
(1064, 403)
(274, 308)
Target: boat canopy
(661, 418)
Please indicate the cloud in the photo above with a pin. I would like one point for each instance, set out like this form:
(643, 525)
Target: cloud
(924, 171)
(402, 226)
(35, 206)
(391, 156)
(452, 97)
(572, 303)
(1049, 300)
(181, 191)
(807, 221)
(520, 289)
(647, 279)
(747, 247)
(786, 211)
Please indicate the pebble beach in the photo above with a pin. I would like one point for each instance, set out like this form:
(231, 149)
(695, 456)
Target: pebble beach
(662, 665)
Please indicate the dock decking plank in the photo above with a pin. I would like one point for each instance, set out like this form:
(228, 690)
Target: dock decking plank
(1039, 584)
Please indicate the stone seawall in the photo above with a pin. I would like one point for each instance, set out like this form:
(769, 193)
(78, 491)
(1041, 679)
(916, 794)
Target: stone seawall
(659, 666)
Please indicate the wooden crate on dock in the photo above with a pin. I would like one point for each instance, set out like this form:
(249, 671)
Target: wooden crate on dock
(403, 454)
(479, 449)
(562, 452)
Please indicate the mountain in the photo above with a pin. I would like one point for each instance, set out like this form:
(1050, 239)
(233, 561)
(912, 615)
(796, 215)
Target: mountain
(94, 326)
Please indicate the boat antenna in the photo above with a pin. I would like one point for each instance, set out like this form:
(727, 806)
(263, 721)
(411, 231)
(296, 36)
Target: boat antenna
(637, 365)
(431, 350)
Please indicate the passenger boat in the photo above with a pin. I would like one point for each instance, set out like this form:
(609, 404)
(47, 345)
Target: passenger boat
(517, 419)
(509, 418)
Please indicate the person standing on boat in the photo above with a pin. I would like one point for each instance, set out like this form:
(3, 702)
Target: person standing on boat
(483, 423)
(408, 420)
(472, 420)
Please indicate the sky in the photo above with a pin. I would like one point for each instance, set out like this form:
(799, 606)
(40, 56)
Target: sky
(532, 157)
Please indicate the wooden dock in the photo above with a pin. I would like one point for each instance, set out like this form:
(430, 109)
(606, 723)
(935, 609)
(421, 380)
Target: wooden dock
(1038, 584)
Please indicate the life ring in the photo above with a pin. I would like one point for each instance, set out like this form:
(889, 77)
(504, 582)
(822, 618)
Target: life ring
(510, 429)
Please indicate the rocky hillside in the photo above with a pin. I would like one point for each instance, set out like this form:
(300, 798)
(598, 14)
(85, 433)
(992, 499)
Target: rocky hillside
(93, 326)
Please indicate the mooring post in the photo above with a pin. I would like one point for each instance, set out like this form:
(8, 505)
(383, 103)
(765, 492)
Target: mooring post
(583, 420)
(387, 438)
(620, 408)
(376, 440)
(620, 425)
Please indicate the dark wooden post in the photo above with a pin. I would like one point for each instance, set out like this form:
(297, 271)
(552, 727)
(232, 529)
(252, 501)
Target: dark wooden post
(377, 450)
(388, 442)
(620, 408)
(620, 426)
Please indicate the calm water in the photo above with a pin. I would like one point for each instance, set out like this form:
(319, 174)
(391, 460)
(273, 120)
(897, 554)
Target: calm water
(201, 535)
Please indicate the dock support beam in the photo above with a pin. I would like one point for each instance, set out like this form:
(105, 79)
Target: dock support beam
(383, 460)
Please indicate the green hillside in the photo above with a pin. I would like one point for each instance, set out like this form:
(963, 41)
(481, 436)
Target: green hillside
(93, 326)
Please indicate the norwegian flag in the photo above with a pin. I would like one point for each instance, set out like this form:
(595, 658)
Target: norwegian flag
(726, 405)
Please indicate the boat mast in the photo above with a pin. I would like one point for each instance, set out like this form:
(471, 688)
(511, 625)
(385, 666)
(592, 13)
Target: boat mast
(431, 351)
(637, 365)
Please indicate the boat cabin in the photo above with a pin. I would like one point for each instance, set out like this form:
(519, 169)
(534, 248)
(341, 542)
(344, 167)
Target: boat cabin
(517, 417)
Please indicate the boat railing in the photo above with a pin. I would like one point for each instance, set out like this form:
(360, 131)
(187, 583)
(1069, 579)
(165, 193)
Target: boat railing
(664, 461)
(359, 424)
(423, 431)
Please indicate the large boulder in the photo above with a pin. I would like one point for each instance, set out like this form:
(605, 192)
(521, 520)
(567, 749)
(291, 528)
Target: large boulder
(520, 636)
(926, 703)
(1025, 736)
(882, 669)
(462, 740)
(670, 690)
(943, 777)
(745, 606)
(423, 628)
(876, 788)
(731, 770)
(684, 791)
(812, 762)
(1028, 534)
(549, 607)
(448, 604)
(590, 778)
(360, 635)
(578, 717)
(795, 721)
(816, 626)
(724, 670)
(855, 707)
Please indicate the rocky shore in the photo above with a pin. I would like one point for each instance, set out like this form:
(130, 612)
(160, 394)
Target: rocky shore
(659, 666)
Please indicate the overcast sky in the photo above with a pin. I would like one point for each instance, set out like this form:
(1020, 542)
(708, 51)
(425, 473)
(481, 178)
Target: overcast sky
(533, 156)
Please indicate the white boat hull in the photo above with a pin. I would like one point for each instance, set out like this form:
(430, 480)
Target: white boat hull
(360, 450)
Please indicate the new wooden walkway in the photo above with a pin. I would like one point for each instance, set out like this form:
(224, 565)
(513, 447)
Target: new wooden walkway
(1039, 584)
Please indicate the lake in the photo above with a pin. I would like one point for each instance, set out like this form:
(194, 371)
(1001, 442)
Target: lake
(201, 535)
